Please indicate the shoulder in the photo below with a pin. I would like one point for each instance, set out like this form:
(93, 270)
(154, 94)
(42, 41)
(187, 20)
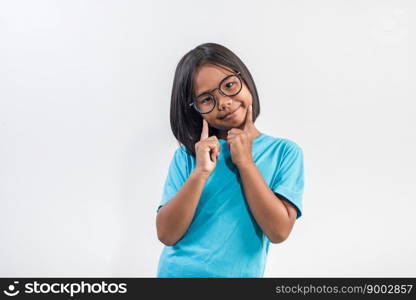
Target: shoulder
(284, 144)
(179, 155)
(182, 156)
(180, 151)
(183, 152)
(290, 145)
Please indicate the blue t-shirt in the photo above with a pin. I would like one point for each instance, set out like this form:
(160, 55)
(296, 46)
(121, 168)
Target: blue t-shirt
(224, 239)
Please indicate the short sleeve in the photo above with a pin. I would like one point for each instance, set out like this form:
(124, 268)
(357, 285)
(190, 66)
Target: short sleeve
(289, 180)
(176, 177)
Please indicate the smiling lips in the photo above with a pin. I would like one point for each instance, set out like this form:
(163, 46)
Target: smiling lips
(228, 115)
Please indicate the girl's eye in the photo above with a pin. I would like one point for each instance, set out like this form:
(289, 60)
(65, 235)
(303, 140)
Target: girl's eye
(206, 100)
(231, 85)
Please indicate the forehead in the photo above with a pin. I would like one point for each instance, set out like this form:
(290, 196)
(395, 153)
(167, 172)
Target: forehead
(208, 76)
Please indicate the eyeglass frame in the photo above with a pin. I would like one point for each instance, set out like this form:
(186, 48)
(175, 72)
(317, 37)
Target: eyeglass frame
(237, 74)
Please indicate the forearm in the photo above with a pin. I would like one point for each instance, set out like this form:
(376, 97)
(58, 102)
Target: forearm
(268, 210)
(174, 218)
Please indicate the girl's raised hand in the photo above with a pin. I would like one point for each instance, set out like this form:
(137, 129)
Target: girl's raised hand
(207, 150)
(240, 140)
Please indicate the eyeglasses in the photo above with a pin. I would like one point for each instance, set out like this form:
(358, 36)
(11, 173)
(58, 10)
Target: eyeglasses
(229, 86)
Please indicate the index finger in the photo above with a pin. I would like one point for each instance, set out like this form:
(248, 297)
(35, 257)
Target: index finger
(249, 117)
(204, 133)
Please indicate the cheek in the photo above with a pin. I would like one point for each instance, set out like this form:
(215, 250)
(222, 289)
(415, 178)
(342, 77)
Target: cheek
(212, 121)
(246, 96)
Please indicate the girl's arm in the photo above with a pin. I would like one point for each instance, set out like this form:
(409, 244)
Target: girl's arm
(174, 218)
(276, 217)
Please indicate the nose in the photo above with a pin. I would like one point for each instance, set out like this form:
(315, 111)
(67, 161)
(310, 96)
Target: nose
(223, 101)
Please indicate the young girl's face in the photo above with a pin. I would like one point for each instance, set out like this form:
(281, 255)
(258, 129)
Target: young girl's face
(207, 78)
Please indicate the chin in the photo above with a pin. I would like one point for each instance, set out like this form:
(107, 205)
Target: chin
(237, 124)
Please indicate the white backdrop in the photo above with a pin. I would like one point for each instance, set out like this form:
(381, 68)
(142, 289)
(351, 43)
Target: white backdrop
(86, 139)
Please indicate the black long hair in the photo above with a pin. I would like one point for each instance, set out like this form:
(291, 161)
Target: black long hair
(185, 121)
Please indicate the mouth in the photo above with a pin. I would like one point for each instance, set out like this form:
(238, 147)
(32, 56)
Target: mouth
(231, 114)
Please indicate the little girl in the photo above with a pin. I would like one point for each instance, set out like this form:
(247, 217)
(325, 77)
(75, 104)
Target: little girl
(230, 189)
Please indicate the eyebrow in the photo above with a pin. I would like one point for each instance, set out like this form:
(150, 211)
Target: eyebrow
(203, 93)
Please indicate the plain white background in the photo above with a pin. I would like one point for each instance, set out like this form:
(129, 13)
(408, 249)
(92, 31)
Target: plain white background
(86, 139)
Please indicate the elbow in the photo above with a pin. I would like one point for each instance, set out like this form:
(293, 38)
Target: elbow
(277, 238)
(162, 235)
(165, 241)
(163, 238)
(166, 233)
(280, 234)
